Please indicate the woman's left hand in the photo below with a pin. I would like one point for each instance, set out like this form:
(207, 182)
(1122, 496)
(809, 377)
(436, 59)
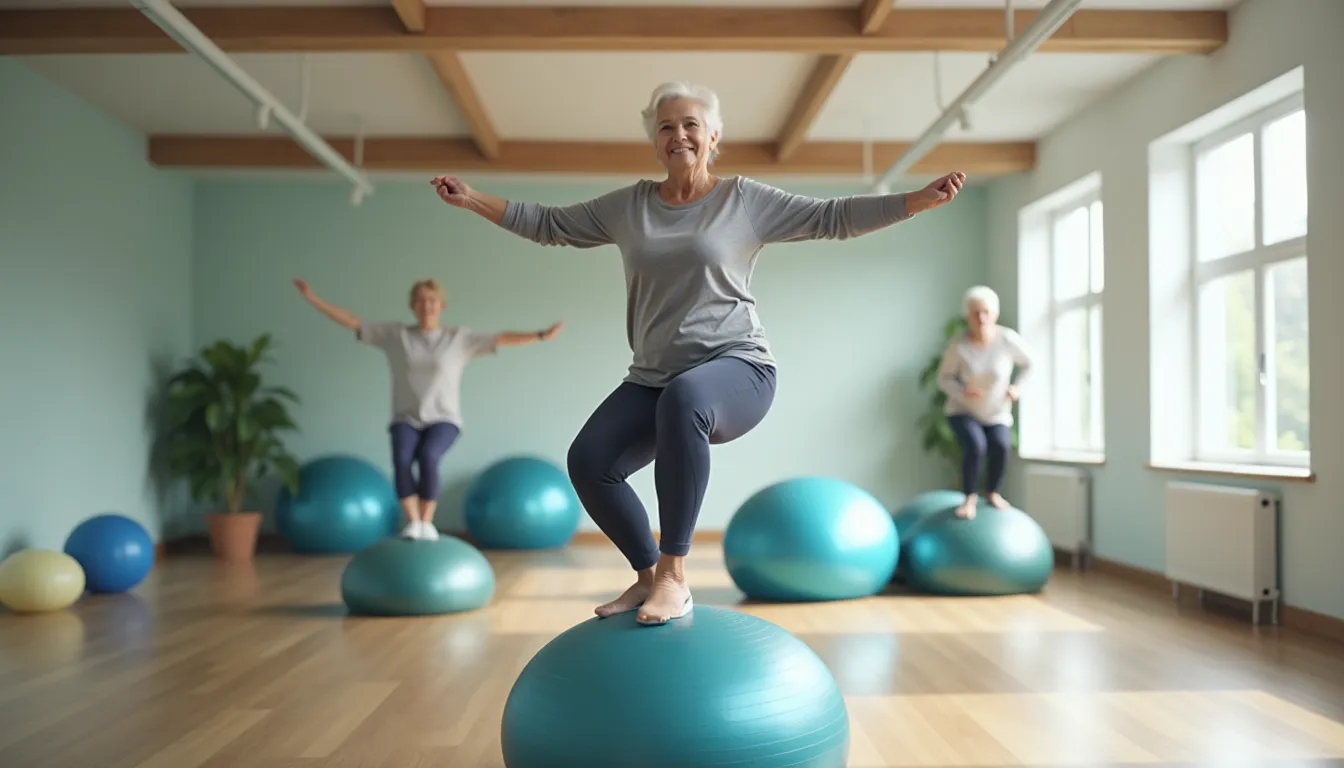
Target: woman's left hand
(549, 333)
(1011, 394)
(939, 192)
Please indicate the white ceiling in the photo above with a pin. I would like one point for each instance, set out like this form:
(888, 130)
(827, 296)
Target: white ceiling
(883, 96)
(553, 95)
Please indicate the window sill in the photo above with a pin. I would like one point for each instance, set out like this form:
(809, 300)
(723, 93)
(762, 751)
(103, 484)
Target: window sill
(1065, 457)
(1248, 471)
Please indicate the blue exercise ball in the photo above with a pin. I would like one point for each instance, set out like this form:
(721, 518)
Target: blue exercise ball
(732, 690)
(402, 577)
(909, 515)
(811, 538)
(998, 552)
(344, 504)
(115, 552)
(522, 503)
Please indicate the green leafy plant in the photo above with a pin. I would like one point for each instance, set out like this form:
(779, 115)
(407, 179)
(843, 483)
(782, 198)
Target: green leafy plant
(937, 436)
(225, 426)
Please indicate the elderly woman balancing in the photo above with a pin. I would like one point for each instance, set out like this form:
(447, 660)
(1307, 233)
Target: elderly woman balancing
(703, 372)
(977, 375)
(426, 361)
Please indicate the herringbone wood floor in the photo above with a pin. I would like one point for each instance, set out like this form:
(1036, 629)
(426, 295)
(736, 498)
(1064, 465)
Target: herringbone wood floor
(258, 666)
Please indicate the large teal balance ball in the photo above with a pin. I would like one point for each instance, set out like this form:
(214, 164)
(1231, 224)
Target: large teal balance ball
(811, 538)
(344, 504)
(998, 552)
(115, 552)
(728, 689)
(908, 516)
(522, 503)
(403, 577)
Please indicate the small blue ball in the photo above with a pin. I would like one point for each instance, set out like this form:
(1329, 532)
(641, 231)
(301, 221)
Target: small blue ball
(115, 552)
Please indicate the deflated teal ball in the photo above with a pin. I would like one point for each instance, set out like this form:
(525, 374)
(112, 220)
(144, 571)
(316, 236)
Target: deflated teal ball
(405, 577)
(998, 552)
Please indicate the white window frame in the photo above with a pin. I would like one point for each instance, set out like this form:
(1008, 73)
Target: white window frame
(1260, 259)
(1058, 308)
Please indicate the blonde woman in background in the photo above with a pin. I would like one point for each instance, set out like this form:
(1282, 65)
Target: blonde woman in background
(976, 374)
(426, 360)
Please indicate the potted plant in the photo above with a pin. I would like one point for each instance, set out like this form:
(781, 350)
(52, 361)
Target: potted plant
(937, 435)
(224, 428)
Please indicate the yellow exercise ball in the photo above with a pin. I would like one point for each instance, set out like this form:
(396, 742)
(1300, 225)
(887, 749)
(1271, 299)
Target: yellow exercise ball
(40, 580)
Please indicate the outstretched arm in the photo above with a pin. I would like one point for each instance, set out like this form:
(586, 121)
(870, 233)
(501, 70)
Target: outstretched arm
(782, 217)
(519, 338)
(588, 224)
(338, 314)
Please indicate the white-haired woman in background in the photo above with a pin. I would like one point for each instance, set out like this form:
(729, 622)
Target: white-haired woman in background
(977, 376)
(702, 372)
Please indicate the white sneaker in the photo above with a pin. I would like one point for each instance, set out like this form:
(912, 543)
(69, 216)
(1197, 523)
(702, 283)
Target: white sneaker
(413, 530)
(428, 532)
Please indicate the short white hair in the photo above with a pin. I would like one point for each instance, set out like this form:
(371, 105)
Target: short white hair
(983, 294)
(706, 98)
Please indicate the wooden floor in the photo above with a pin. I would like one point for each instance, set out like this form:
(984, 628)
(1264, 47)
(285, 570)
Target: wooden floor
(208, 665)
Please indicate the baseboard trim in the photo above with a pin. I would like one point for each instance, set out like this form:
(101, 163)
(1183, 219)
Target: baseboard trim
(1291, 617)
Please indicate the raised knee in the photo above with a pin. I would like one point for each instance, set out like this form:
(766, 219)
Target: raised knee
(582, 463)
(683, 402)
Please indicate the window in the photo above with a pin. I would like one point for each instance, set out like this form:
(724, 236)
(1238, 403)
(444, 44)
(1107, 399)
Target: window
(1249, 282)
(1061, 277)
(1076, 277)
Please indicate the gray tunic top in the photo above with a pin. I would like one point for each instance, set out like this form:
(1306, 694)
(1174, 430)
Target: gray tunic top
(688, 267)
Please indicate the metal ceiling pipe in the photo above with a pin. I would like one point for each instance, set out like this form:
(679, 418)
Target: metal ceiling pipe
(1046, 22)
(176, 26)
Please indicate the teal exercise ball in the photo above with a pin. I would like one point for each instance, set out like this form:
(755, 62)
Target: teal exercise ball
(729, 689)
(909, 515)
(405, 577)
(808, 539)
(998, 552)
(344, 504)
(522, 503)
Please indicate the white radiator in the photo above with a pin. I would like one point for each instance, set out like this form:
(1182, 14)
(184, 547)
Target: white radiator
(1224, 539)
(1060, 500)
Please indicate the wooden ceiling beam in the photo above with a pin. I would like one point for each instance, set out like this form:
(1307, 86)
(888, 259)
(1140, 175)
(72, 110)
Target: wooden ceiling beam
(448, 66)
(603, 28)
(873, 15)
(460, 155)
(816, 92)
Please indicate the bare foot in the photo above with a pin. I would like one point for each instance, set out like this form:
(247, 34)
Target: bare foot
(630, 599)
(998, 502)
(667, 600)
(967, 508)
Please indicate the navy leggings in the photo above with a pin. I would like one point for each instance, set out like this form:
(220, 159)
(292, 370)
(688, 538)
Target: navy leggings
(424, 447)
(977, 440)
(713, 403)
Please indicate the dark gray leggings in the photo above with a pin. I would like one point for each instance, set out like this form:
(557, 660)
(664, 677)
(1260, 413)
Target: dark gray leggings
(713, 403)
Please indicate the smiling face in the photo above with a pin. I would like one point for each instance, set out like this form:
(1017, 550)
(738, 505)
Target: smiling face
(426, 303)
(683, 138)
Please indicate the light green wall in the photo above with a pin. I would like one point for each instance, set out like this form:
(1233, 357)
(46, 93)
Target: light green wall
(95, 257)
(1268, 39)
(851, 322)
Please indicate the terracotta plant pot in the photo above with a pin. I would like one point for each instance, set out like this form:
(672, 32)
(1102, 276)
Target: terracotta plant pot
(233, 536)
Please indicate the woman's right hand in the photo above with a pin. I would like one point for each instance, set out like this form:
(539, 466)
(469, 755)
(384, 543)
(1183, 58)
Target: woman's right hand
(452, 190)
(304, 289)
